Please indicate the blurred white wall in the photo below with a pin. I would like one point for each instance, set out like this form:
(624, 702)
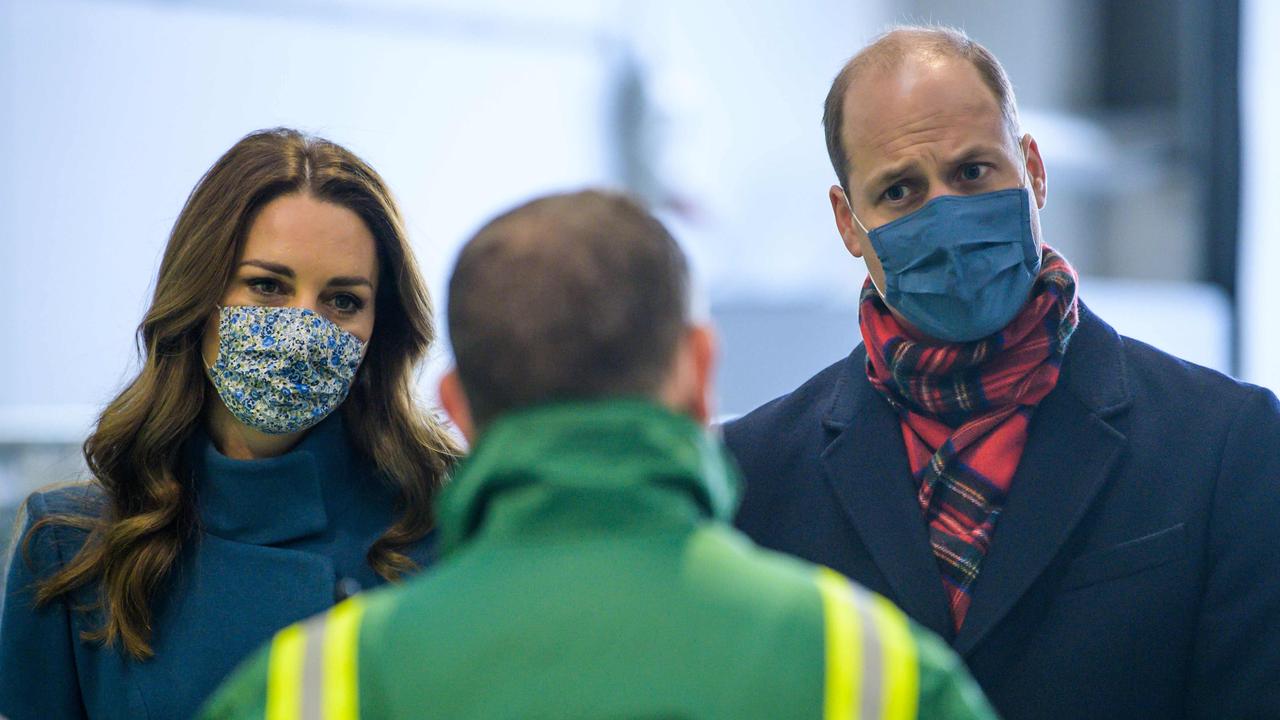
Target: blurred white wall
(731, 132)
(113, 110)
(1260, 183)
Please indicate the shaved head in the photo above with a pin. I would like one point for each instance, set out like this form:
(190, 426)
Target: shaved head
(568, 297)
(890, 52)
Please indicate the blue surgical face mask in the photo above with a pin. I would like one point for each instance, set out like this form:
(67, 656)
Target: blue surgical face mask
(281, 369)
(961, 267)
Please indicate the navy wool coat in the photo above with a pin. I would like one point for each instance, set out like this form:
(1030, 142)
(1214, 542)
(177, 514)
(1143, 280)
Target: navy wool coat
(280, 539)
(1134, 572)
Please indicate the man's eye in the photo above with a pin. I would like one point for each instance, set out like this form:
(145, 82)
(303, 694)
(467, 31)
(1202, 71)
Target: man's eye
(973, 172)
(896, 193)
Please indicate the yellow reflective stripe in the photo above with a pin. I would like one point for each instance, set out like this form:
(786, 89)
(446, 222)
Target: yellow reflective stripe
(902, 667)
(341, 679)
(844, 661)
(284, 674)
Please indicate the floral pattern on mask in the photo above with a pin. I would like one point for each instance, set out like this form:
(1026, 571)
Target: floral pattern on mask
(282, 369)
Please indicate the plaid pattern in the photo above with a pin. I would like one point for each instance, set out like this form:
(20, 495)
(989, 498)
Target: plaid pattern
(965, 408)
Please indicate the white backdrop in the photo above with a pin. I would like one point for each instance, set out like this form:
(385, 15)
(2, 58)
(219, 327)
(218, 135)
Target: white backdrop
(113, 110)
(1260, 183)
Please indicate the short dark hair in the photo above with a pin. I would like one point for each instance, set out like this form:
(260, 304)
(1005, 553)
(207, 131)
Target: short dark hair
(887, 52)
(568, 297)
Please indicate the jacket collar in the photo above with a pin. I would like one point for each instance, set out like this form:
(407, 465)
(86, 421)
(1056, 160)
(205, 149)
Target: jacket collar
(593, 466)
(1096, 372)
(1071, 447)
(273, 500)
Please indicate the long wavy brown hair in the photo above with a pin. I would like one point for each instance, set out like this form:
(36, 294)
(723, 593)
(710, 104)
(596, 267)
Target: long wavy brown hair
(136, 451)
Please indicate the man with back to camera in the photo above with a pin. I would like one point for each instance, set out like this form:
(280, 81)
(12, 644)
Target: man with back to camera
(587, 569)
(1088, 521)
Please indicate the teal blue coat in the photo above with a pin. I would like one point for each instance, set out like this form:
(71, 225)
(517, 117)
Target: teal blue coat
(280, 539)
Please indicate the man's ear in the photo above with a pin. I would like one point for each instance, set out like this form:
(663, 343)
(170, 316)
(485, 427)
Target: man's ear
(690, 387)
(1035, 170)
(454, 399)
(849, 231)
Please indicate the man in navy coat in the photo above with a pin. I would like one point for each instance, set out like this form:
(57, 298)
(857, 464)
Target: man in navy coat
(1090, 522)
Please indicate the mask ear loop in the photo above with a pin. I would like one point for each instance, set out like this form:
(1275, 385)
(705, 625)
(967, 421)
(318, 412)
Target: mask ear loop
(1027, 186)
(208, 366)
(1024, 175)
(849, 204)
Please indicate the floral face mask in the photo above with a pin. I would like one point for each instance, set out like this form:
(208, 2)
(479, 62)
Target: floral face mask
(281, 369)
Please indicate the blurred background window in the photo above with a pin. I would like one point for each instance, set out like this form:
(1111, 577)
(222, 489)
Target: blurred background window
(1156, 121)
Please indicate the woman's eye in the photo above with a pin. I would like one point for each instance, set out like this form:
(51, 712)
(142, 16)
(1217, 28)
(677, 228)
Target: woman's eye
(896, 193)
(347, 303)
(973, 171)
(264, 286)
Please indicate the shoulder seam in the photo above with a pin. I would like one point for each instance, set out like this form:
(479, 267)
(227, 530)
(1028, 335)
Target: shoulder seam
(1253, 395)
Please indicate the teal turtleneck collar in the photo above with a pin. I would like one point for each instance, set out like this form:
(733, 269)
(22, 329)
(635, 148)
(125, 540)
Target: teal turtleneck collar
(587, 467)
(273, 500)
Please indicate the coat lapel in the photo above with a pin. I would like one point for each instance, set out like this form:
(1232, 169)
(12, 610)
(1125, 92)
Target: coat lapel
(1070, 451)
(866, 466)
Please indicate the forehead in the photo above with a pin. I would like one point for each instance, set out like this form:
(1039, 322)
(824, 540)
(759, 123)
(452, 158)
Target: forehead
(920, 105)
(313, 237)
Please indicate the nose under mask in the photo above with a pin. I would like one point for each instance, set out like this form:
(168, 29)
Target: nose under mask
(961, 267)
(280, 369)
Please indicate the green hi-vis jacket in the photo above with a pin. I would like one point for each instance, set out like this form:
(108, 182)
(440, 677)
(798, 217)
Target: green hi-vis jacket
(586, 572)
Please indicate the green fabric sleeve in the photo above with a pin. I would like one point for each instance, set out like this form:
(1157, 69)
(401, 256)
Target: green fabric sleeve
(244, 694)
(947, 692)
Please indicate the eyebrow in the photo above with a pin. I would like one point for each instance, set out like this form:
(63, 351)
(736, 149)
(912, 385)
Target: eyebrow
(350, 281)
(967, 154)
(276, 268)
(889, 173)
(286, 271)
(973, 152)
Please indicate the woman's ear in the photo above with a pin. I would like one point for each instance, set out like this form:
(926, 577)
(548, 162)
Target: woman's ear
(454, 400)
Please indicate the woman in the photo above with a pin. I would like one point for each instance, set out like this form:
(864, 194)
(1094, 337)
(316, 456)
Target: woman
(267, 460)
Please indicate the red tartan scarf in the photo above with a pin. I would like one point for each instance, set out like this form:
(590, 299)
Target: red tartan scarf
(965, 408)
